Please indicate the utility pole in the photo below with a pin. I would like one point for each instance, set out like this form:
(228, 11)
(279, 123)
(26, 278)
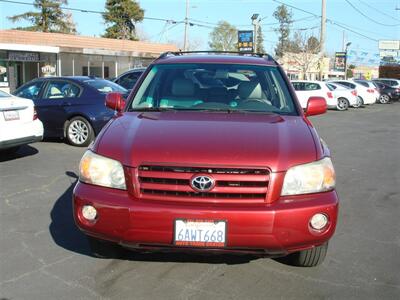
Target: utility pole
(255, 23)
(185, 41)
(322, 37)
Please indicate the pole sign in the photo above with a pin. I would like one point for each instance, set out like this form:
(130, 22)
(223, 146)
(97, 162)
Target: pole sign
(245, 41)
(340, 61)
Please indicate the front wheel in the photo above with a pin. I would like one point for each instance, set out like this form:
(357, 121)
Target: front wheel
(310, 257)
(342, 104)
(384, 99)
(79, 132)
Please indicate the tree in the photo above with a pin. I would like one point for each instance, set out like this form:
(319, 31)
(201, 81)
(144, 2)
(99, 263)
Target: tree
(284, 17)
(223, 37)
(260, 41)
(305, 49)
(49, 18)
(121, 17)
(350, 71)
(313, 44)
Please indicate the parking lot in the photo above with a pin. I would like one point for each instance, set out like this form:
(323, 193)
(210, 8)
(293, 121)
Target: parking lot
(44, 256)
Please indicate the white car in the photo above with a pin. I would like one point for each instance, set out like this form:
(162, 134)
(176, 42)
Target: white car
(367, 95)
(345, 97)
(19, 124)
(306, 89)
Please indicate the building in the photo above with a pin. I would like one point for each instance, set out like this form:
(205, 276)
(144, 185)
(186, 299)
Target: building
(305, 66)
(25, 55)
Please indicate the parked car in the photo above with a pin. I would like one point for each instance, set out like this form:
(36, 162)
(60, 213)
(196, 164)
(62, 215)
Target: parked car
(370, 85)
(345, 96)
(388, 81)
(19, 124)
(339, 99)
(71, 107)
(367, 96)
(306, 89)
(387, 93)
(128, 79)
(232, 168)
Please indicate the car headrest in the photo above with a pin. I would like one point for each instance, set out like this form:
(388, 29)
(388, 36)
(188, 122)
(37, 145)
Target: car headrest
(182, 87)
(250, 90)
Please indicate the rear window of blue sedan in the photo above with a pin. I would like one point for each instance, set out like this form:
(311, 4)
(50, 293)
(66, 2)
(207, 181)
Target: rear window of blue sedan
(105, 86)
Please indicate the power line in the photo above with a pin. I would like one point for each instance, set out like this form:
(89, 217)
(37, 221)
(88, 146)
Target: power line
(379, 11)
(84, 10)
(333, 22)
(367, 17)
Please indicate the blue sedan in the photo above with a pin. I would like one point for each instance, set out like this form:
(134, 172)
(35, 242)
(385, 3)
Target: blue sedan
(71, 107)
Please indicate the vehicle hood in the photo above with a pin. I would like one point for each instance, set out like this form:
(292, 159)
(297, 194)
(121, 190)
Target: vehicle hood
(208, 139)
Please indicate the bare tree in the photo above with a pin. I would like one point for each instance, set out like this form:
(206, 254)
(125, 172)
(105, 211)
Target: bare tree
(305, 52)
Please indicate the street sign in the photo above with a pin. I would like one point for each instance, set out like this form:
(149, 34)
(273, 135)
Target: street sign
(245, 41)
(389, 45)
(340, 61)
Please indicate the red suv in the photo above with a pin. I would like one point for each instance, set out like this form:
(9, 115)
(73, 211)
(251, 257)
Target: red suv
(211, 152)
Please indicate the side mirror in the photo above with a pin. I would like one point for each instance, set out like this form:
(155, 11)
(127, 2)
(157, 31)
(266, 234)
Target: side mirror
(316, 106)
(115, 101)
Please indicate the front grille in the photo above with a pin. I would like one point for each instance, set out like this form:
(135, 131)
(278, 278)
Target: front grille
(233, 185)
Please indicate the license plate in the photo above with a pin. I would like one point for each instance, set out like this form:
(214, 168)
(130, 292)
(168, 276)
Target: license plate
(200, 233)
(11, 115)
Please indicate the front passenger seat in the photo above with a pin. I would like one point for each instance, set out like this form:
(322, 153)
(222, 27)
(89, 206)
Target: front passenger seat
(182, 94)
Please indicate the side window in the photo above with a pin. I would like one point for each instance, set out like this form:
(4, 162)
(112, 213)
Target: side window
(312, 86)
(61, 89)
(346, 84)
(30, 91)
(298, 86)
(128, 81)
(331, 87)
(363, 83)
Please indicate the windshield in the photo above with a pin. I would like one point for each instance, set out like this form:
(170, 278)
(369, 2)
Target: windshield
(105, 86)
(214, 87)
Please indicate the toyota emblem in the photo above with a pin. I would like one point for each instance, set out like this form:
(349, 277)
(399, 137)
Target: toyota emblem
(202, 183)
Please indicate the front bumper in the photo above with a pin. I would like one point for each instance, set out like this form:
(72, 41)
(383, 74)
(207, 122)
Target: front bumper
(276, 229)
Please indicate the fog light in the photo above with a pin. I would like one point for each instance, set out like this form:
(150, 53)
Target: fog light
(318, 221)
(89, 212)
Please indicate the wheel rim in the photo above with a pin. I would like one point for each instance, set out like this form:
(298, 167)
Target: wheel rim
(384, 99)
(342, 104)
(358, 103)
(78, 132)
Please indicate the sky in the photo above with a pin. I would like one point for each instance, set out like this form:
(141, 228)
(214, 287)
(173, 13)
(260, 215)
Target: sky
(381, 20)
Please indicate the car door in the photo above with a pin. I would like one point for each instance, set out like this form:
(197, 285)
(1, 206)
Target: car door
(52, 106)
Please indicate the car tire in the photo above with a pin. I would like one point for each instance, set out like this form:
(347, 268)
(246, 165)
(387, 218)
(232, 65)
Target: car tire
(103, 249)
(342, 104)
(384, 99)
(310, 257)
(361, 103)
(358, 103)
(79, 132)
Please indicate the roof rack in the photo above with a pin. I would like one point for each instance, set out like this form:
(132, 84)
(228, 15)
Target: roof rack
(178, 53)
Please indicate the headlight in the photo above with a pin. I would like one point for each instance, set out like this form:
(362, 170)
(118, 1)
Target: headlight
(100, 170)
(315, 177)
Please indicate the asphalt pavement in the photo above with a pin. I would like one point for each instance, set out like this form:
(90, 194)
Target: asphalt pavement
(44, 256)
